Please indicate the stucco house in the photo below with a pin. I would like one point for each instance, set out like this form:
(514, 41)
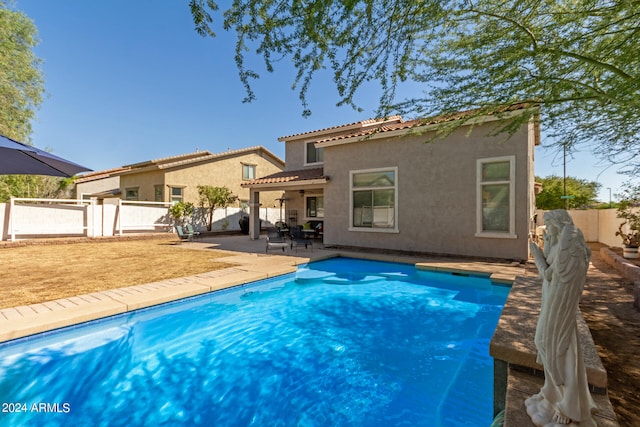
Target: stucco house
(176, 178)
(379, 184)
(102, 185)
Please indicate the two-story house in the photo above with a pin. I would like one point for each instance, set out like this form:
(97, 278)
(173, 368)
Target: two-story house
(384, 184)
(176, 178)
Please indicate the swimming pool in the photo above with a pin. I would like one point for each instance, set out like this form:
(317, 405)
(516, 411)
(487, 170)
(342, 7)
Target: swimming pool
(340, 342)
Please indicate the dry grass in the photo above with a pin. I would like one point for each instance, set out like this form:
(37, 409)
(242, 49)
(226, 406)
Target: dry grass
(38, 273)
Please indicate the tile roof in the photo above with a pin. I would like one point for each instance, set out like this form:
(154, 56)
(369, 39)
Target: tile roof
(355, 125)
(288, 177)
(393, 123)
(91, 176)
(173, 161)
(198, 156)
(410, 124)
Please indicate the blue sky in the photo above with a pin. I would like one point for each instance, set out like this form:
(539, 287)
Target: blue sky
(129, 81)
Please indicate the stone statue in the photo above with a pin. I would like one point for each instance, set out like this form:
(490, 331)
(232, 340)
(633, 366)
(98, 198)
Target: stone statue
(564, 399)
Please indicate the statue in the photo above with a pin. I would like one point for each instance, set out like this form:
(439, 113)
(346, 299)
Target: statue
(564, 399)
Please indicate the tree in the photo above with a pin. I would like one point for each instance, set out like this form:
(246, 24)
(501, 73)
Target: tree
(629, 210)
(212, 198)
(577, 60)
(181, 211)
(583, 193)
(21, 81)
(21, 91)
(34, 186)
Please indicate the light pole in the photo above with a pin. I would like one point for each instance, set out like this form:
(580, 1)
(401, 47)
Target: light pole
(609, 188)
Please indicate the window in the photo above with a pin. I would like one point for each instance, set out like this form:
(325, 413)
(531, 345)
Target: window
(176, 194)
(315, 207)
(248, 171)
(313, 154)
(374, 200)
(157, 191)
(131, 193)
(496, 197)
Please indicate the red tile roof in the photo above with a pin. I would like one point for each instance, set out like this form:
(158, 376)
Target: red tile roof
(409, 124)
(349, 126)
(288, 177)
(394, 123)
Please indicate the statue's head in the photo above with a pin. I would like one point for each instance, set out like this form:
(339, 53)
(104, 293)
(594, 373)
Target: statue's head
(558, 218)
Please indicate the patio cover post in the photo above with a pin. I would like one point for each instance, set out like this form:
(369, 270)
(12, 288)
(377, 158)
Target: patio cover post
(254, 215)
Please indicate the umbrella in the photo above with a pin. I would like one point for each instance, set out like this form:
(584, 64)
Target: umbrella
(19, 158)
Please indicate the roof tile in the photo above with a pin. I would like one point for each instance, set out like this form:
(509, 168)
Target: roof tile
(288, 176)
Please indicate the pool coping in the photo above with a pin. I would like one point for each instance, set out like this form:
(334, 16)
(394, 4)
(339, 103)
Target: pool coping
(22, 321)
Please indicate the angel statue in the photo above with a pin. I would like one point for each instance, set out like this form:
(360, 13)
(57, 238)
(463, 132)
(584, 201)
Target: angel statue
(564, 399)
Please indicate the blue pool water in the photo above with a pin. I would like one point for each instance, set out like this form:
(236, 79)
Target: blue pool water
(340, 342)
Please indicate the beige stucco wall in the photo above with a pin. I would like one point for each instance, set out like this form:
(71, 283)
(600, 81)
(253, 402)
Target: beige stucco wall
(97, 185)
(436, 193)
(144, 182)
(226, 172)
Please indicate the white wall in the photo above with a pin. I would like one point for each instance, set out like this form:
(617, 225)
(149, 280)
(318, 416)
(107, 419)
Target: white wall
(33, 220)
(597, 225)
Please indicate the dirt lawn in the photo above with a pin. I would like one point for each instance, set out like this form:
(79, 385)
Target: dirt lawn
(37, 273)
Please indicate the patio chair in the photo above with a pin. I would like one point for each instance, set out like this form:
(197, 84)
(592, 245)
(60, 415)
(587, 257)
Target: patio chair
(275, 240)
(184, 236)
(192, 231)
(282, 226)
(298, 238)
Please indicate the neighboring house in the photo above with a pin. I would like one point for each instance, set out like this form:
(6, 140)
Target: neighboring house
(176, 178)
(101, 185)
(378, 184)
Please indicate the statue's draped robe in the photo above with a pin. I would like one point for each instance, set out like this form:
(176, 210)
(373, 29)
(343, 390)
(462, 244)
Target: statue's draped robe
(556, 336)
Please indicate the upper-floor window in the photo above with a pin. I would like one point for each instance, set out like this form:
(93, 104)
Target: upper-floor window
(313, 154)
(496, 197)
(131, 193)
(248, 171)
(157, 192)
(374, 200)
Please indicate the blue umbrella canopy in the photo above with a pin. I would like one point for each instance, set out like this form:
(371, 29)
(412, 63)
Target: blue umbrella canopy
(23, 159)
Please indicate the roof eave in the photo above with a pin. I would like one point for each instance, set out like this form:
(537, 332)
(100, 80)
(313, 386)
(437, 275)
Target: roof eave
(285, 185)
(418, 129)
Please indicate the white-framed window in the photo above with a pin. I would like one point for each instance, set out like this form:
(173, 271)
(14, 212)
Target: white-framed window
(248, 171)
(177, 194)
(313, 155)
(374, 200)
(314, 206)
(496, 197)
(131, 193)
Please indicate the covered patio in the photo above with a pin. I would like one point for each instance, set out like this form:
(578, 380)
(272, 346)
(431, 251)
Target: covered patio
(298, 188)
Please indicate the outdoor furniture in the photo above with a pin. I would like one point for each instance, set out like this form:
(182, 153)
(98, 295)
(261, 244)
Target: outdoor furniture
(183, 235)
(275, 240)
(313, 229)
(192, 231)
(282, 226)
(298, 238)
